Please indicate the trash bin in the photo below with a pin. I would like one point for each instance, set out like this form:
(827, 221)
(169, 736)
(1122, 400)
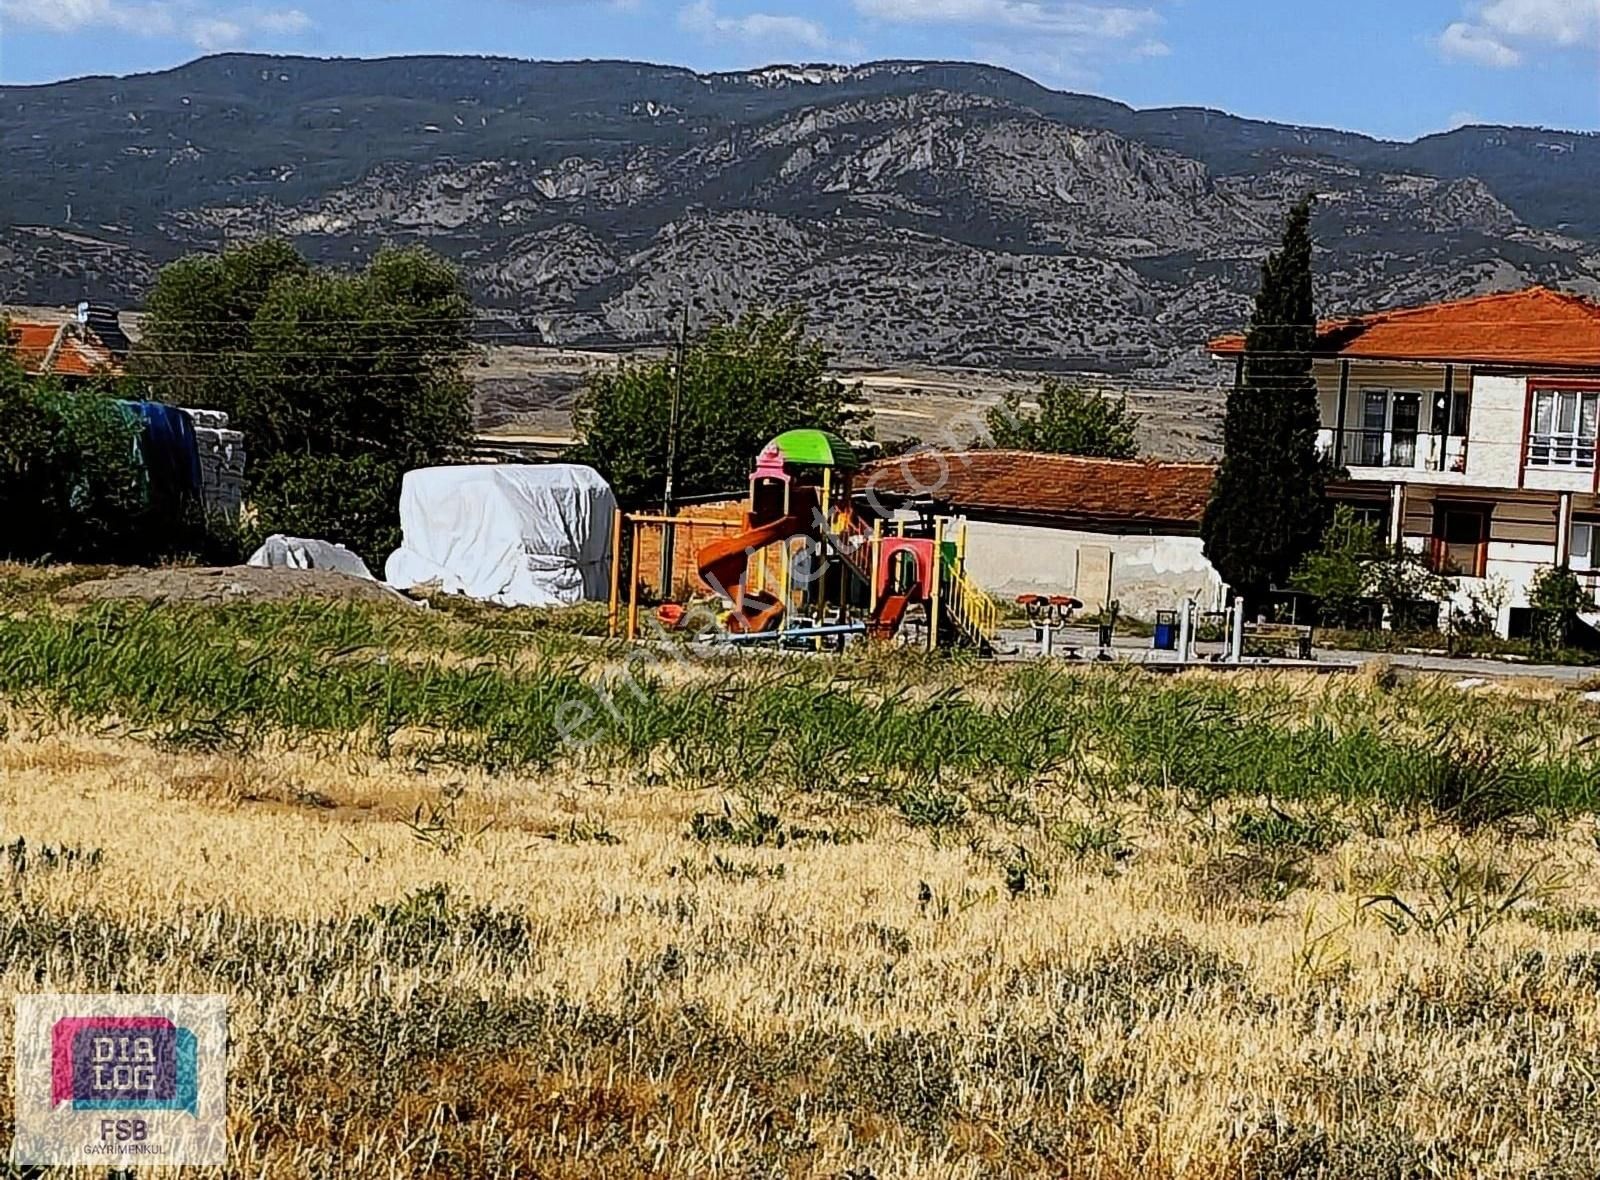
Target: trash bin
(1166, 637)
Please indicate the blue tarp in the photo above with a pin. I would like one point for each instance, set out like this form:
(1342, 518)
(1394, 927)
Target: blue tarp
(167, 451)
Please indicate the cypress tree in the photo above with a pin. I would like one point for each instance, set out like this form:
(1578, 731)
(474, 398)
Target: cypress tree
(1266, 510)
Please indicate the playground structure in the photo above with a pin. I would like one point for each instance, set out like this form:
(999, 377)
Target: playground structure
(808, 563)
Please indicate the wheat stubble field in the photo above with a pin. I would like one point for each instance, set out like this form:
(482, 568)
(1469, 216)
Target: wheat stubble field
(878, 917)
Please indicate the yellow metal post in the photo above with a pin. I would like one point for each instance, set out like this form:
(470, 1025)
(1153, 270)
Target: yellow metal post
(633, 588)
(783, 592)
(938, 577)
(615, 603)
(872, 580)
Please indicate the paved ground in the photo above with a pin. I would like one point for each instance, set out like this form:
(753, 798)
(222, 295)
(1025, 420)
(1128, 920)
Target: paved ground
(1133, 649)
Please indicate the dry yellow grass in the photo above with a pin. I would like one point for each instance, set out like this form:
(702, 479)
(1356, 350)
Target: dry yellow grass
(595, 993)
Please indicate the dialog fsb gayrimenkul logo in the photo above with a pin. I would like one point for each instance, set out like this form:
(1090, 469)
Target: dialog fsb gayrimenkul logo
(121, 1079)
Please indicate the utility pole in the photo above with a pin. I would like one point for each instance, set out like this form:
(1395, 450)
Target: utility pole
(668, 534)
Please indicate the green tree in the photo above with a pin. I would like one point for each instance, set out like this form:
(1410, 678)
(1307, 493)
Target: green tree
(1338, 573)
(743, 384)
(1266, 510)
(1069, 421)
(341, 382)
(70, 485)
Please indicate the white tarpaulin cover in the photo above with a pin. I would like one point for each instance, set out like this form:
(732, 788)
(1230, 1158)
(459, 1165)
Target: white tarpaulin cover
(303, 553)
(535, 535)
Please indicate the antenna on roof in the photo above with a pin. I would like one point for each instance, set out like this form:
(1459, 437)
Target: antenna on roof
(83, 311)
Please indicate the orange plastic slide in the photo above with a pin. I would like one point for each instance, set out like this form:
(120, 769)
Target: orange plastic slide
(891, 612)
(725, 563)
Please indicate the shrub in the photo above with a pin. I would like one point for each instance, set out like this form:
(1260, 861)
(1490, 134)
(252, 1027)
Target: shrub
(1557, 598)
(1337, 573)
(70, 483)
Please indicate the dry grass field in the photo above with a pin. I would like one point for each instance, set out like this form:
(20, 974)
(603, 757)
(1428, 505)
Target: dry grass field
(871, 917)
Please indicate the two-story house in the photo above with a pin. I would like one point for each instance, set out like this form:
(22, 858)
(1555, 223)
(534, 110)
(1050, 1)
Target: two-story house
(1468, 432)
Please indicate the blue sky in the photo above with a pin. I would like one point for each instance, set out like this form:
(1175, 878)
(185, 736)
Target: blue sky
(1397, 68)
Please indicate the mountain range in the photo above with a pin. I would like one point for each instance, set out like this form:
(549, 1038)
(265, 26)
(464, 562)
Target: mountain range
(924, 212)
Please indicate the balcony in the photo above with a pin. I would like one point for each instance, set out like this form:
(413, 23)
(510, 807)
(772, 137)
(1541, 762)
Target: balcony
(1395, 450)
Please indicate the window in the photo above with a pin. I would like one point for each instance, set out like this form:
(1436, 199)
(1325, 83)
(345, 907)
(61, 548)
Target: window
(1374, 417)
(1374, 514)
(1562, 432)
(1391, 423)
(1460, 539)
(1403, 432)
(1585, 545)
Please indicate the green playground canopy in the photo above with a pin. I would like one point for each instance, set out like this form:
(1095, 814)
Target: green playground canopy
(816, 448)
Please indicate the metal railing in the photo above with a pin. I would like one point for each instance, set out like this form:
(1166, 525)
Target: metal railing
(1413, 451)
(1571, 451)
(970, 605)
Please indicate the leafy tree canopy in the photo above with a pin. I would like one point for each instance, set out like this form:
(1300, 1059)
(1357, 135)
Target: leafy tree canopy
(70, 485)
(1069, 421)
(743, 384)
(1338, 573)
(326, 372)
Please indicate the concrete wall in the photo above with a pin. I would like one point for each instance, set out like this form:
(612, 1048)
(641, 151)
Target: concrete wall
(1148, 573)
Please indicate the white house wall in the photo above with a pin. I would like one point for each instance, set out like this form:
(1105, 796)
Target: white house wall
(1148, 573)
(1522, 541)
(1495, 431)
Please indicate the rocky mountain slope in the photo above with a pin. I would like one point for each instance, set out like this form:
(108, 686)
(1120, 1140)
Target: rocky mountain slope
(925, 212)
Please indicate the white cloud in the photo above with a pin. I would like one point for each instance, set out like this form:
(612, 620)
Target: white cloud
(1064, 41)
(205, 27)
(1465, 42)
(1059, 18)
(1503, 33)
(762, 29)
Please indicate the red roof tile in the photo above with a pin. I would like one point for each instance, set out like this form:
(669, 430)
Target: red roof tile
(1059, 489)
(75, 355)
(1533, 327)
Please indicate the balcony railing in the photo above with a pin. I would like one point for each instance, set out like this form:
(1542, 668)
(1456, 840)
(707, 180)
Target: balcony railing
(1571, 451)
(1406, 450)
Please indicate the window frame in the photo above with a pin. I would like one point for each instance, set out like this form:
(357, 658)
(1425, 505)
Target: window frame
(1543, 449)
(1590, 525)
(1379, 441)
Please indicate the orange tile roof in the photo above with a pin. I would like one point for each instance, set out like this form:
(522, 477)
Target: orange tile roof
(1068, 490)
(1534, 327)
(79, 354)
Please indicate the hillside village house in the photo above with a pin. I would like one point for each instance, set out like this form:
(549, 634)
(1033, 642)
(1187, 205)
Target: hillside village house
(1468, 431)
